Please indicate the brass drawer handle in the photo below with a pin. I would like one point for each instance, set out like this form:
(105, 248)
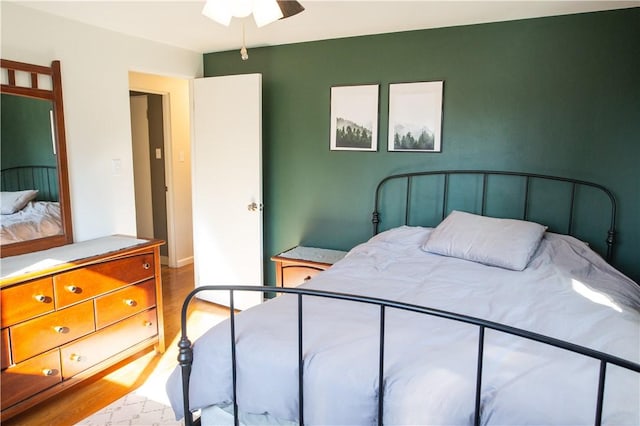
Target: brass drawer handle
(130, 302)
(73, 289)
(40, 298)
(48, 371)
(75, 357)
(148, 323)
(60, 329)
(146, 265)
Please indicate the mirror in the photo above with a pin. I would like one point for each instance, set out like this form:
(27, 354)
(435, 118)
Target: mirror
(36, 209)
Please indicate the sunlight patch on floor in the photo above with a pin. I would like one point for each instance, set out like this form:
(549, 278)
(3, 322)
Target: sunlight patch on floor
(148, 403)
(154, 386)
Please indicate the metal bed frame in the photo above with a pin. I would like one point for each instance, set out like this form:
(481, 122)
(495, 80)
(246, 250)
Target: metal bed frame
(42, 178)
(185, 357)
(528, 178)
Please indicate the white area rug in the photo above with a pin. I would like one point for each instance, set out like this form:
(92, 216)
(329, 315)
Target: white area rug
(148, 405)
(133, 409)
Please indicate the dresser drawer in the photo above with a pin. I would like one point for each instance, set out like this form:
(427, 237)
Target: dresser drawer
(43, 333)
(21, 381)
(293, 276)
(123, 303)
(81, 284)
(5, 354)
(91, 350)
(24, 301)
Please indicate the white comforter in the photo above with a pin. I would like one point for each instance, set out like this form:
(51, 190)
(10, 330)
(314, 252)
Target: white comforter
(37, 219)
(567, 292)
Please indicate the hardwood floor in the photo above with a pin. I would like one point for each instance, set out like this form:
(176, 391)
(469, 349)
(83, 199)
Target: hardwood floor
(82, 400)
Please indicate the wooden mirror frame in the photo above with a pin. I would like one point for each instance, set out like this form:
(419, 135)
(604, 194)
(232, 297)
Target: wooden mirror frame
(55, 96)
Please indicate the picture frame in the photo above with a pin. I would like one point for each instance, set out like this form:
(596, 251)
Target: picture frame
(415, 116)
(354, 117)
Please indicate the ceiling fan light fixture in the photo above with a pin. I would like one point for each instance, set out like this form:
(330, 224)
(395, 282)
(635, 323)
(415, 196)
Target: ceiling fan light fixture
(264, 11)
(219, 11)
(242, 8)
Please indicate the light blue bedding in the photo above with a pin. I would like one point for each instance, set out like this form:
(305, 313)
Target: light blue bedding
(567, 291)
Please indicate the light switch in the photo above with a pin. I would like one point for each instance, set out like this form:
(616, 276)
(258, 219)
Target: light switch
(116, 165)
(181, 156)
(158, 154)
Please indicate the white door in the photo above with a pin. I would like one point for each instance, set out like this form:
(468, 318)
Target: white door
(227, 184)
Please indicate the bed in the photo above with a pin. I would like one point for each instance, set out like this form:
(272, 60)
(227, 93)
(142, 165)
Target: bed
(497, 313)
(30, 206)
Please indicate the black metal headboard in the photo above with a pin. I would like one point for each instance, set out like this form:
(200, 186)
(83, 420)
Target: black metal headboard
(42, 178)
(431, 192)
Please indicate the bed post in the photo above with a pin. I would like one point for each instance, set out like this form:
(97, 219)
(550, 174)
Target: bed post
(375, 219)
(610, 240)
(185, 359)
(611, 234)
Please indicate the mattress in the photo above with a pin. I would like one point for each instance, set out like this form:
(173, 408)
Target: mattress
(567, 292)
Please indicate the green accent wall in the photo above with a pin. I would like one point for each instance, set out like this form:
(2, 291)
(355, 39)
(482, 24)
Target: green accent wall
(25, 132)
(558, 95)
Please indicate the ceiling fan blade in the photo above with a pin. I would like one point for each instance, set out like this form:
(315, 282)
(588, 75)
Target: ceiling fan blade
(289, 8)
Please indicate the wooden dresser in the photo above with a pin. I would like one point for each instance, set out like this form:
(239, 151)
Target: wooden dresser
(70, 312)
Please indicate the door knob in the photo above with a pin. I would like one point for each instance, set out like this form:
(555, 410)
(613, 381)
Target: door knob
(254, 207)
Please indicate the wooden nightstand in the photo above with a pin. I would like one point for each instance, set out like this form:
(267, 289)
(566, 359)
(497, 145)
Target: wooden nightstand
(300, 264)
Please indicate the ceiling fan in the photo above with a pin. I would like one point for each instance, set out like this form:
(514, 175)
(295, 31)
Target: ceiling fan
(264, 11)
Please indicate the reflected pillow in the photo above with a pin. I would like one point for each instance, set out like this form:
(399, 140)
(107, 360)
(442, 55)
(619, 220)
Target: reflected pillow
(12, 202)
(506, 243)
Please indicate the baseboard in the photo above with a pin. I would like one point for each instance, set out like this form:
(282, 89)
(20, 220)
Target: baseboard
(185, 261)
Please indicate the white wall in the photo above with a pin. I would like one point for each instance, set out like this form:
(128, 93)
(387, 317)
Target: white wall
(95, 79)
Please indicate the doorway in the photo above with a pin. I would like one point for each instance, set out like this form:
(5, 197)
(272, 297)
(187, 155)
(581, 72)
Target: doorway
(149, 168)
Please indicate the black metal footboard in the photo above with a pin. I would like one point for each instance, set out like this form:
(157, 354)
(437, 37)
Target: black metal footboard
(185, 356)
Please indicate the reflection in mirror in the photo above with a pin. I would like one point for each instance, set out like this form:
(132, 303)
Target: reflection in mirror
(28, 164)
(35, 202)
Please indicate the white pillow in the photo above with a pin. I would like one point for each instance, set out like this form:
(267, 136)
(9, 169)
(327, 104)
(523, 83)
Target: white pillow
(12, 202)
(507, 243)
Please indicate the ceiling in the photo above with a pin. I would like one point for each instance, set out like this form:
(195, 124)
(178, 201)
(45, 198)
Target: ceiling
(181, 24)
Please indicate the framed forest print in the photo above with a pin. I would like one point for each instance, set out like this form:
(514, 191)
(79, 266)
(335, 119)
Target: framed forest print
(354, 118)
(415, 116)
